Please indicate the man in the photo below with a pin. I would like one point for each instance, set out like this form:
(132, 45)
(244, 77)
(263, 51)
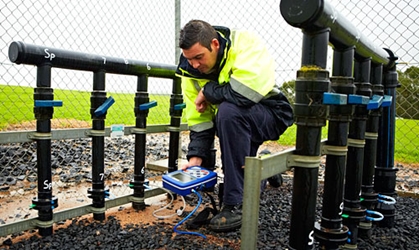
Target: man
(228, 82)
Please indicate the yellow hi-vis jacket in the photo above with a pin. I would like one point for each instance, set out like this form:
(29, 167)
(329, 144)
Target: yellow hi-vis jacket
(245, 63)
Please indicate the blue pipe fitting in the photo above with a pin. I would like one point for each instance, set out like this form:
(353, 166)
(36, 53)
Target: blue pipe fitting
(98, 193)
(387, 101)
(335, 99)
(378, 216)
(148, 105)
(179, 106)
(44, 204)
(358, 99)
(386, 199)
(101, 110)
(375, 102)
(48, 103)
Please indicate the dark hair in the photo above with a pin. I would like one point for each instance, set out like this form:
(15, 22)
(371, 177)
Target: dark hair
(197, 31)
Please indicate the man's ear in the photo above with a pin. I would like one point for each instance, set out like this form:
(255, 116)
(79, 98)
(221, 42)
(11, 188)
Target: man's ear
(215, 43)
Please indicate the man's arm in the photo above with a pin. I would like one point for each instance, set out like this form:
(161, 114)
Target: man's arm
(199, 147)
(216, 94)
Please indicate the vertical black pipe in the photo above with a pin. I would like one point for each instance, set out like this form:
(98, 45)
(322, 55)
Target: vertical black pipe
(312, 81)
(385, 173)
(330, 232)
(45, 202)
(176, 99)
(353, 211)
(97, 98)
(369, 196)
(137, 183)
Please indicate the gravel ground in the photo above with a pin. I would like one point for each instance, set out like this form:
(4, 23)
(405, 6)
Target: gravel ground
(116, 232)
(273, 230)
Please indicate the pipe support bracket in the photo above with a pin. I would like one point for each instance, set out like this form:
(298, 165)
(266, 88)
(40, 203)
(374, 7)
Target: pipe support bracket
(39, 136)
(138, 131)
(334, 150)
(303, 161)
(93, 132)
(356, 143)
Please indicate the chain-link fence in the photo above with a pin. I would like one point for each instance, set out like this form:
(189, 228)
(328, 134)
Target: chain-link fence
(146, 31)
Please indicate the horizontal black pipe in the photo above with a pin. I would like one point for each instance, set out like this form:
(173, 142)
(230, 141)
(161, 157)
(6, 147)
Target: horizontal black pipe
(319, 14)
(22, 53)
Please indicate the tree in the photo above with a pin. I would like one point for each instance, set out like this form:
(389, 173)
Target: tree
(407, 95)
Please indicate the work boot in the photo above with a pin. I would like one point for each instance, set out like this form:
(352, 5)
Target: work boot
(276, 180)
(229, 219)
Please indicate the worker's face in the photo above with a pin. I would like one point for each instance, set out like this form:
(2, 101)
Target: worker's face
(201, 58)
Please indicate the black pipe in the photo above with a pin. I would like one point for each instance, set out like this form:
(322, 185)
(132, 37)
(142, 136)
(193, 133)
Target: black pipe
(331, 233)
(137, 184)
(98, 193)
(319, 14)
(385, 172)
(356, 142)
(176, 107)
(369, 196)
(45, 202)
(20, 52)
(310, 113)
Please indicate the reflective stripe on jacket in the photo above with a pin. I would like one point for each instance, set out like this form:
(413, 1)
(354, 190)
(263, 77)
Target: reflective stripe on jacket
(247, 66)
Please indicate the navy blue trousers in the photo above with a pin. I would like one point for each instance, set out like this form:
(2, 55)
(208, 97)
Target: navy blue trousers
(241, 131)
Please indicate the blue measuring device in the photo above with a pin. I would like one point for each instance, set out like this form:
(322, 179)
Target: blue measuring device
(183, 181)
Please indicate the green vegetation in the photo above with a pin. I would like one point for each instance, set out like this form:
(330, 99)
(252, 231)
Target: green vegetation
(407, 141)
(17, 107)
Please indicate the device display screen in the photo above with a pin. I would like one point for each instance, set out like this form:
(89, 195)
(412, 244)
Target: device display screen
(183, 177)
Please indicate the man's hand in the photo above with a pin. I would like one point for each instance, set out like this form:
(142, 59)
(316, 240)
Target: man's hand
(193, 161)
(200, 102)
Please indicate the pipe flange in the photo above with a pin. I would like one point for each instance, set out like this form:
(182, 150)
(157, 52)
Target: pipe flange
(354, 213)
(330, 236)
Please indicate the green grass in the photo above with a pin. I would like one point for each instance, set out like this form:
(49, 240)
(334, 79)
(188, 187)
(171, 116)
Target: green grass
(407, 141)
(16, 105)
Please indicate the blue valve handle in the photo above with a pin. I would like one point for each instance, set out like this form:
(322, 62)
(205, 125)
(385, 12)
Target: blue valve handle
(179, 106)
(147, 105)
(334, 99)
(101, 110)
(48, 103)
(387, 101)
(358, 99)
(375, 102)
